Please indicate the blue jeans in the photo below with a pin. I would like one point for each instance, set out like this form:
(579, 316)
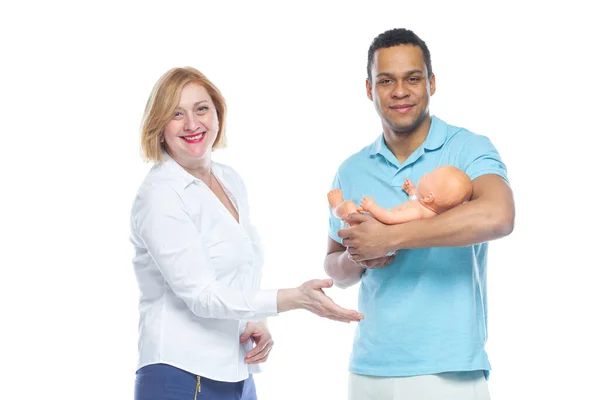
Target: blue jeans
(165, 382)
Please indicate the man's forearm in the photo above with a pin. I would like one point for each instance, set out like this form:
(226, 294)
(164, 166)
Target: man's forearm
(342, 270)
(465, 225)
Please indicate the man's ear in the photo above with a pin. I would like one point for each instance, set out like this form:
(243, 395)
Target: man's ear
(369, 89)
(432, 85)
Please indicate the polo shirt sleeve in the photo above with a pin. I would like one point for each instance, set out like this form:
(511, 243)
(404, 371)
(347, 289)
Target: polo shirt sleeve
(335, 223)
(479, 157)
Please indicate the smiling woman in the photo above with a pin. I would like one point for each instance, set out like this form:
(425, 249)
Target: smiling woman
(198, 259)
(196, 114)
(182, 97)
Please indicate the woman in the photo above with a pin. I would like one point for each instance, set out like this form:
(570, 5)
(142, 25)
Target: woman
(198, 258)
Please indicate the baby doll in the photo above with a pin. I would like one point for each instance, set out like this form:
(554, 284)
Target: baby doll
(438, 191)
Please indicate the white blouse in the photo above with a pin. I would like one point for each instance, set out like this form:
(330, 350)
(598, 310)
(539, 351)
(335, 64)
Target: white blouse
(198, 272)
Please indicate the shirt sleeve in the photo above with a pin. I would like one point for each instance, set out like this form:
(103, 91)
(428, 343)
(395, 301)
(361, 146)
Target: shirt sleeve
(480, 157)
(178, 248)
(335, 223)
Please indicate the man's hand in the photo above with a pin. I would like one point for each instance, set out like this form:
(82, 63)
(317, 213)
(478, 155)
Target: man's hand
(259, 333)
(368, 240)
(376, 262)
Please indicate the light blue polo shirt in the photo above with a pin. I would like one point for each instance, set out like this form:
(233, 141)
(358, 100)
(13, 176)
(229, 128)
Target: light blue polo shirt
(426, 312)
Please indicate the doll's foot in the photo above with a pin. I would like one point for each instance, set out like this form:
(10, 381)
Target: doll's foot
(335, 198)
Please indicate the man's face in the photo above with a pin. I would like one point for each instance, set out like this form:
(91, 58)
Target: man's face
(400, 87)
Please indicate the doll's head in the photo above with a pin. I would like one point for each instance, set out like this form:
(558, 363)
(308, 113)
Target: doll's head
(444, 188)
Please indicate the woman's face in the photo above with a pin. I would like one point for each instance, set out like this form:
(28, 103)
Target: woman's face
(192, 131)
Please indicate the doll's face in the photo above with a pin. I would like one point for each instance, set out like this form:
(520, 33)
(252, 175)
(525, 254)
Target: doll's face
(427, 184)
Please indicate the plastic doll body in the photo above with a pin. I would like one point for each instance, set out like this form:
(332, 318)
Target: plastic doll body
(438, 191)
(408, 211)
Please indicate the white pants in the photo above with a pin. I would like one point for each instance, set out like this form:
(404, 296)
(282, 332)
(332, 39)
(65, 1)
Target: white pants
(447, 386)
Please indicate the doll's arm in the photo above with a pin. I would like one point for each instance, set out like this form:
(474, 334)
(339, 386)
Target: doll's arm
(410, 189)
(390, 217)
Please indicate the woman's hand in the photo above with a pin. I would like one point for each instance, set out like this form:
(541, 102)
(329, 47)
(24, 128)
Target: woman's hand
(259, 333)
(310, 296)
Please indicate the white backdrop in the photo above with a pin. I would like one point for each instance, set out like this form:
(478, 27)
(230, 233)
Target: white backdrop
(74, 81)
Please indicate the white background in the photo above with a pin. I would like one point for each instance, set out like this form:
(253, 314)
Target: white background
(74, 81)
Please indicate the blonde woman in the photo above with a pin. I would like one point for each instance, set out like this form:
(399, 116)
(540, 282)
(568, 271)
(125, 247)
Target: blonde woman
(198, 259)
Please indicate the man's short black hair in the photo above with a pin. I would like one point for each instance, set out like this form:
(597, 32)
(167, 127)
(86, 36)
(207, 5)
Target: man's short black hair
(395, 37)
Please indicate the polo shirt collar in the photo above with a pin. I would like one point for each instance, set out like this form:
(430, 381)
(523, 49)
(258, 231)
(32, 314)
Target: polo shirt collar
(436, 137)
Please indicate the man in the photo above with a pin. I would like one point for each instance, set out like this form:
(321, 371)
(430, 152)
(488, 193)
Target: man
(425, 307)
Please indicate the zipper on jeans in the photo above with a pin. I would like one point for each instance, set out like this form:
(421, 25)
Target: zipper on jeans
(198, 387)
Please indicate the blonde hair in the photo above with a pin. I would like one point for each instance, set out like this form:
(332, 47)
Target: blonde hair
(163, 101)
